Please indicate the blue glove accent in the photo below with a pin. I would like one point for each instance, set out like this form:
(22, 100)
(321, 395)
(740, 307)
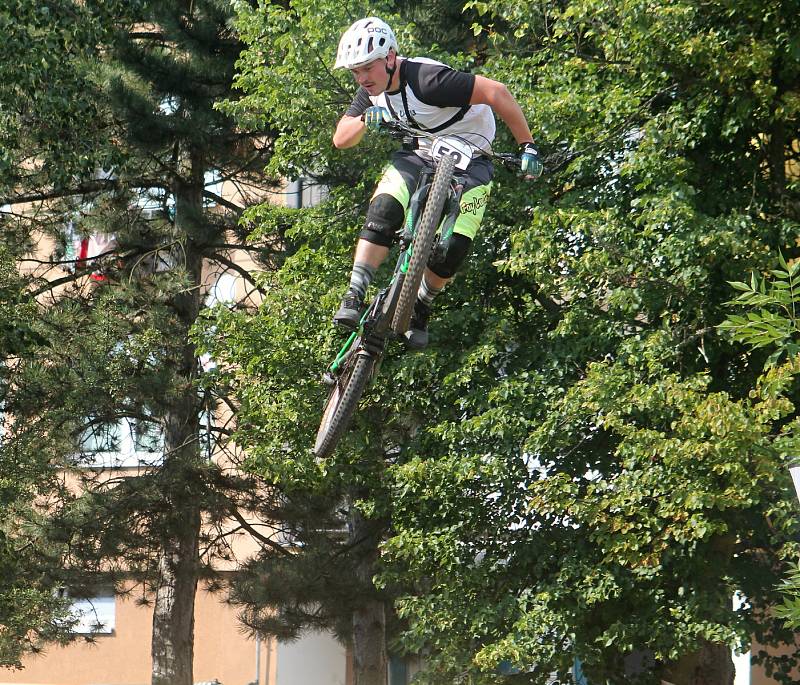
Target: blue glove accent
(529, 160)
(375, 116)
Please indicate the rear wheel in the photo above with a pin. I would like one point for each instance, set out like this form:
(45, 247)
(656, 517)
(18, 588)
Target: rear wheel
(423, 241)
(342, 402)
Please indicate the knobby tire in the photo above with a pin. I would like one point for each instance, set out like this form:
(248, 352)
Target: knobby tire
(422, 244)
(341, 404)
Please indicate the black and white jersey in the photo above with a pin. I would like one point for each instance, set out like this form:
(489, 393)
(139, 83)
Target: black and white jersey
(436, 100)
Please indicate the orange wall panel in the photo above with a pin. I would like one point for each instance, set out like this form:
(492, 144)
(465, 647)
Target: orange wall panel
(222, 651)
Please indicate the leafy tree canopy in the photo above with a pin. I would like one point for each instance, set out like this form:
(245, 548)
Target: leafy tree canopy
(576, 467)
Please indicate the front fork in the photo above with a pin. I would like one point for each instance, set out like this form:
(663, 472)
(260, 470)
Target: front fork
(452, 208)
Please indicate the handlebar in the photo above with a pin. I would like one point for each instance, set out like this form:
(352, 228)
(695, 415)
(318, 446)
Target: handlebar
(399, 131)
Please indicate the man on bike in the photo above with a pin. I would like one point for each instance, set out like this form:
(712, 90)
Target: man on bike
(429, 96)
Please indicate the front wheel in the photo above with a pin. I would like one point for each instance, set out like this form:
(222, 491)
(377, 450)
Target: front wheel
(342, 402)
(422, 244)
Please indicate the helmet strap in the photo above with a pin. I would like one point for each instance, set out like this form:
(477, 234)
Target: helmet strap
(390, 72)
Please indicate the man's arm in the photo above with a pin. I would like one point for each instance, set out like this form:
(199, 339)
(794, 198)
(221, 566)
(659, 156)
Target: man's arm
(350, 129)
(499, 98)
(349, 132)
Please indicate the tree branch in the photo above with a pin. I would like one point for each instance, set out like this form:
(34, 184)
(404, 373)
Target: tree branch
(258, 536)
(233, 266)
(83, 188)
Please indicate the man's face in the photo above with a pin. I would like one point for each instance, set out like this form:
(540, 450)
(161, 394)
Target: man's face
(372, 76)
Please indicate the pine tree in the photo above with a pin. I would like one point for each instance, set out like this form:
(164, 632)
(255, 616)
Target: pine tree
(42, 44)
(29, 610)
(145, 163)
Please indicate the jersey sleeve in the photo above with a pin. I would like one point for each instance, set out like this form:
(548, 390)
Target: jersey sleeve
(360, 104)
(439, 85)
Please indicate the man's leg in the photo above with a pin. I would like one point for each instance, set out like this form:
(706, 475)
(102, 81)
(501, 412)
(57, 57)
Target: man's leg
(369, 256)
(416, 337)
(433, 282)
(384, 219)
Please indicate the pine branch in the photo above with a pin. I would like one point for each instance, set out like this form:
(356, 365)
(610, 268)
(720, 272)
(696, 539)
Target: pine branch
(218, 199)
(258, 536)
(83, 188)
(244, 247)
(233, 266)
(56, 283)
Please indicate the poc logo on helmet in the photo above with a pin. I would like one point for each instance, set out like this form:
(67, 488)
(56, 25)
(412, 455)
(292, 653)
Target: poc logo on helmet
(376, 30)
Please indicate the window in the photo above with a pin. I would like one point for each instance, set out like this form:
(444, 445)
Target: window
(95, 615)
(398, 671)
(155, 203)
(123, 443)
(213, 184)
(223, 291)
(305, 192)
(87, 251)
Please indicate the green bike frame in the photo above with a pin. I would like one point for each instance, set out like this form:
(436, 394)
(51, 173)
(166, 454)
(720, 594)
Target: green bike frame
(445, 230)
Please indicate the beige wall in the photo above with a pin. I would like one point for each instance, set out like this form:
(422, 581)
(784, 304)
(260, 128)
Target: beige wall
(221, 652)
(758, 675)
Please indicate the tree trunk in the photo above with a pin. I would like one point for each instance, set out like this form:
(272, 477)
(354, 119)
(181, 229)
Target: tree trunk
(369, 619)
(173, 613)
(178, 562)
(172, 645)
(712, 664)
(776, 151)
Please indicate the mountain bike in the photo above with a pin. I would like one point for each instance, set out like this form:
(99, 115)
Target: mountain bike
(430, 218)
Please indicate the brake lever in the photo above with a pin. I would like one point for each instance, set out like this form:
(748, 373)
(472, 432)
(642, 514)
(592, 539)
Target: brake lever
(508, 160)
(395, 129)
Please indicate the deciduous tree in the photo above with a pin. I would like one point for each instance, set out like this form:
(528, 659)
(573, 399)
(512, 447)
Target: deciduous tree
(576, 467)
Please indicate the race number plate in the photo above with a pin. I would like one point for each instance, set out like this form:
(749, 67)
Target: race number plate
(455, 147)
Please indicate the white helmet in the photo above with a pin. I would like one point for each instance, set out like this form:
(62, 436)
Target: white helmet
(366, 40)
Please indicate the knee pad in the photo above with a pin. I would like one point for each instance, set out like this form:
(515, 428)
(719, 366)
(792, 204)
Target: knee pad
(384, 219)
(446, 261)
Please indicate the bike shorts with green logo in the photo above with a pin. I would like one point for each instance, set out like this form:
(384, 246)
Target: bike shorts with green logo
(400, 178)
